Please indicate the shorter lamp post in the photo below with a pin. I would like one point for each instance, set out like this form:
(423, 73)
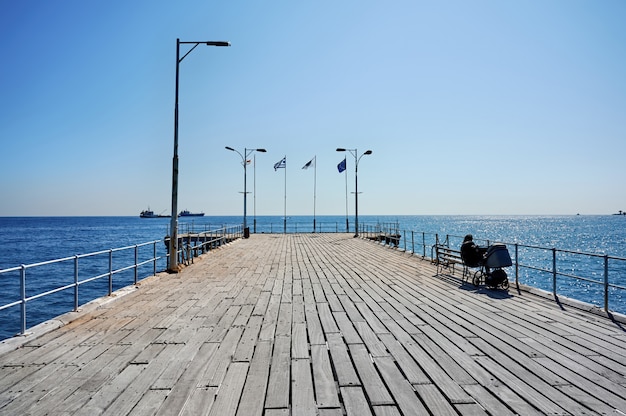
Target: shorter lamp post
(356, 186)
(244, 162)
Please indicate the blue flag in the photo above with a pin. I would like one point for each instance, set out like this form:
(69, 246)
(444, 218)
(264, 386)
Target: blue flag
(342, 165)
(281, 164)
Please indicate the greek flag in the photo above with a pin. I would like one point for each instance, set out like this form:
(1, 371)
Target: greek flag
(281, 164)
(342, 165)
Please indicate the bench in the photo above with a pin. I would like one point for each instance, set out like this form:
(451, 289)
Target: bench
(448, 257)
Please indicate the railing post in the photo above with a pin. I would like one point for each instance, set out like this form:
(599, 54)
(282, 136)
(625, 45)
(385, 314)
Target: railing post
(136, 261)
(75, 283)
(23, 295)
(404, 241)
(110, 272)
(412, 242)
(606, 283)
(517, 265)
(424, 244)
(154, 258)
(554, 272)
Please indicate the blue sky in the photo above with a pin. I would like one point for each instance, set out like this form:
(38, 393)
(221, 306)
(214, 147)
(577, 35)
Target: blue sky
(469, 107)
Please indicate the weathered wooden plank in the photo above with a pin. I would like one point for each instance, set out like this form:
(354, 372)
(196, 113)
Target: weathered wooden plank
(149, 403)
(216, 370)
(326, 318)
(346, 374)
(372, 319)
(401, 390)
(451, 389)
(303, 399)
(283, 325)
(224, 324)
(326, 394)
(434, 400)
(277, 412)
(270, 319)
(330, 412)
(177, 365)
(253, 395)
(278, 388)
(201, 399)
(354, 402)
(227, 398)
(467, 409)
(105, 396)
(299, 344)
(412, 371)
(334, 303)
(314, 326)
(347, 329)
(297, 310)
(373, 384)
(374, 345)
(248, 340)
(185, 387)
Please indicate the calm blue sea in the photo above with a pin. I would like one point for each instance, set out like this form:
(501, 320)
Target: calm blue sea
(27, 240)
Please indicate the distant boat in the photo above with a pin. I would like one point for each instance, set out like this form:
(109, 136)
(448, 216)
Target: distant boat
(620, 212)
(150, 214)
(186, 213)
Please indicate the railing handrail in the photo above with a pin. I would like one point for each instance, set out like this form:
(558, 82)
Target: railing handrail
(555, 271)
(221, 234)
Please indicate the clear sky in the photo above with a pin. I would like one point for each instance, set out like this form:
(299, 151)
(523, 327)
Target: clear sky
(469, 107)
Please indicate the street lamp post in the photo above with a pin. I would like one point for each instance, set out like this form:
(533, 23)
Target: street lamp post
(356, 186)
(173, 244)
(244, 162)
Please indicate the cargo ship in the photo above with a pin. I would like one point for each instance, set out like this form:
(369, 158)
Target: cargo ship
(186, 213)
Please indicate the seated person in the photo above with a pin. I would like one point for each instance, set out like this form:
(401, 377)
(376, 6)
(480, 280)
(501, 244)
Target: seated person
(472, 255)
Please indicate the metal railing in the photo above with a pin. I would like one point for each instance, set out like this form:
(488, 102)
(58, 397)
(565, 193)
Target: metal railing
(294, 227)
(558, 271)
(192, 244)
(51, 287)
(52, 277)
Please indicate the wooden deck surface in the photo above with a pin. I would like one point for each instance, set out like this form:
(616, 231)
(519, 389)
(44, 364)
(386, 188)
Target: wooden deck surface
(319, 324)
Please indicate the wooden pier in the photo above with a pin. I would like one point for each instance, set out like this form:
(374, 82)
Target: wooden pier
(319, 324)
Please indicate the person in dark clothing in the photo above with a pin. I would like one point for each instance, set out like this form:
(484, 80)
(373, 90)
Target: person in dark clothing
(472, 255)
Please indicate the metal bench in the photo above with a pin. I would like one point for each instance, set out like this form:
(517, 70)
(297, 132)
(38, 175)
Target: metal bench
(447, 257)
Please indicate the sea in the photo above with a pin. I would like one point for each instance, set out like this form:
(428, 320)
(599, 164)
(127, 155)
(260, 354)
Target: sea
(29, 240)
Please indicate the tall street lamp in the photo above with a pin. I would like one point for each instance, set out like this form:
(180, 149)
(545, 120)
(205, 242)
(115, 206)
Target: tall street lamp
(244, 162)
(173, 245)
(356, 186)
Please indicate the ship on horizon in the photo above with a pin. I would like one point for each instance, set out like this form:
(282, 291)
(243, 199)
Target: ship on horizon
(187, 213)
(148, 213)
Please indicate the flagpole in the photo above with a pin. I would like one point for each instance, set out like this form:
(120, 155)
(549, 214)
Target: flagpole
(347, 223)
(254, 190)
(314, 188)
(285, 209)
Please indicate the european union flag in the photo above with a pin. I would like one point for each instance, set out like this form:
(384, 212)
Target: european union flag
(342, 165)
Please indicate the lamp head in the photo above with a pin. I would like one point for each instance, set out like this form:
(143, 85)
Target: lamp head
(261, 150)
(368, 152)
(341, 149)
(230, 148)
(218, 43)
